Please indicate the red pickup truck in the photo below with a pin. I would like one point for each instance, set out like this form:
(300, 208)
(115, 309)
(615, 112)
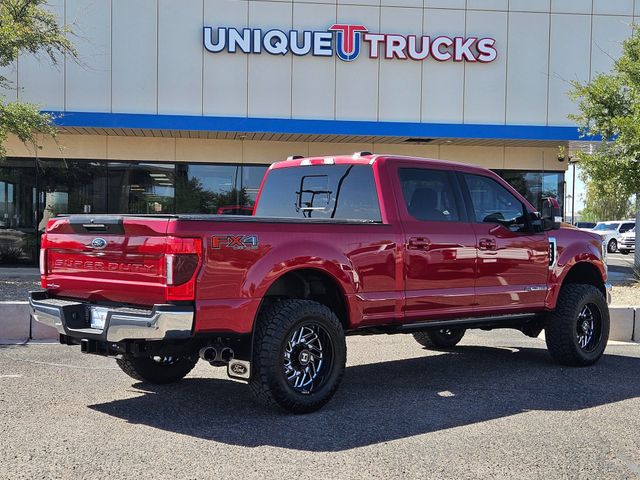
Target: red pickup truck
(342, 245)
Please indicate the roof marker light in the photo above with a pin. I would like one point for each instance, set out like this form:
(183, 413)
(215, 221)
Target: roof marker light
(329, 161)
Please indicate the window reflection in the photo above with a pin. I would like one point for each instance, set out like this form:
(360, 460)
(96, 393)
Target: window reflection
(142, 188)
(536, 185)
(71, 186)
(217, 189)
(18, 240)
(206, 188)
(251, 180)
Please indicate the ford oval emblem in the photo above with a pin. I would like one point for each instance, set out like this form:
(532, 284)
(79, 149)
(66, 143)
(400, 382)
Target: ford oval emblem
(98, 243)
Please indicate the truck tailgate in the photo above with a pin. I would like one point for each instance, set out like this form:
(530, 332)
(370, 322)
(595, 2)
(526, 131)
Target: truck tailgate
(113, 259)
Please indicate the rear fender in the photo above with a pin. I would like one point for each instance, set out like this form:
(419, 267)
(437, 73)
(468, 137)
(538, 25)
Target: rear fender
(238, 313)
(316, 256)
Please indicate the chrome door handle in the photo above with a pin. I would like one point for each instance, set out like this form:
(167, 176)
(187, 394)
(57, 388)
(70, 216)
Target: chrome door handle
(487, 244)
(419, 243)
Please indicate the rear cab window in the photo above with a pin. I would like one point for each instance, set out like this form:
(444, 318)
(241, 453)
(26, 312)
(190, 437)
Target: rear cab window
(341, 192)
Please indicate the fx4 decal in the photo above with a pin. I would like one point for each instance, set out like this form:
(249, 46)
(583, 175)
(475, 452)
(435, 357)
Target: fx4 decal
(237, 242)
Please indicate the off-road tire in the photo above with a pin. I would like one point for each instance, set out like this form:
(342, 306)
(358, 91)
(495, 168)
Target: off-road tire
(561, 328)
(146, 369)
(273, 332)
(612, 246)
(441, 338)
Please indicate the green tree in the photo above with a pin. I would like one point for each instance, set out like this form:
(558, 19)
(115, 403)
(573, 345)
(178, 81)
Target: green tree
(609, 108)
(27, 27)
(603, 202)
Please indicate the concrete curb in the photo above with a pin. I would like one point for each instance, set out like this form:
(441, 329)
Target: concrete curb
(17, 326)
(623, 321)
(14, 322)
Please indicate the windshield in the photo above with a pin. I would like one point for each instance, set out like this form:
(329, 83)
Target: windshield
(606, 226)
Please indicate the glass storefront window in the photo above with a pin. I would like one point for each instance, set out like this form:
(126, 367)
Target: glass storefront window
(206, 188)
(141, 187)
(251, 180)
(553, 185)
(217, 189)
(536, 185)
(71, 186)
(18, 239)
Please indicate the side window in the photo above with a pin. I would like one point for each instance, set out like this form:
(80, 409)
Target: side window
(492, 203)
(625, 227)
(429, 195)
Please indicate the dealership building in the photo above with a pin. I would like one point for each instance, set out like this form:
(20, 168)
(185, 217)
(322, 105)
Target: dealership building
(180, 106)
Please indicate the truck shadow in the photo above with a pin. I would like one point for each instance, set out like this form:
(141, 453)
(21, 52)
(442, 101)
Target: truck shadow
(386, 401)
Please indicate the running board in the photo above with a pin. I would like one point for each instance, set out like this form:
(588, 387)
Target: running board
(489, 323)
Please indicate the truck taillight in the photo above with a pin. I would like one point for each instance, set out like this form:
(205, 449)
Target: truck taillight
(183, 257)
(43, 261)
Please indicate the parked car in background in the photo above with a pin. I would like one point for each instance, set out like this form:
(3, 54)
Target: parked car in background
(627, 241)
(585, 225)
(611, 232)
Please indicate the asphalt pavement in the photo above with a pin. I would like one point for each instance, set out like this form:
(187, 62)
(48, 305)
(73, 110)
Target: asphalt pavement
(497, 407)
(620, 267)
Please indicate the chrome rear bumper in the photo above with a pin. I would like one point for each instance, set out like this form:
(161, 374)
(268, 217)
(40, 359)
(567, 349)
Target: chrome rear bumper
(71, 318)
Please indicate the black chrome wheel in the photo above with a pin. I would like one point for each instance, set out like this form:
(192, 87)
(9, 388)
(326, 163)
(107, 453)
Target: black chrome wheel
(577, 330)
(299, 355)
(308, 357)
(589, 327)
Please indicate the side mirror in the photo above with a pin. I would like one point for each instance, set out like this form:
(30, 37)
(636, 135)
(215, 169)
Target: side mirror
(551, 214)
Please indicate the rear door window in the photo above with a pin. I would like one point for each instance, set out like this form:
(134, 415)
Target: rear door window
(343, 192)
(429, 195)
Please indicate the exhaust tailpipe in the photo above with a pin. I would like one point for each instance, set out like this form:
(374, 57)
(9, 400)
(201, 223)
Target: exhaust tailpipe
(226, 354)
(208, 354)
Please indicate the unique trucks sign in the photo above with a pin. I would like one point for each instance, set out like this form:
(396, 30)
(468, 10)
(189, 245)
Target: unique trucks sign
(346, 41)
